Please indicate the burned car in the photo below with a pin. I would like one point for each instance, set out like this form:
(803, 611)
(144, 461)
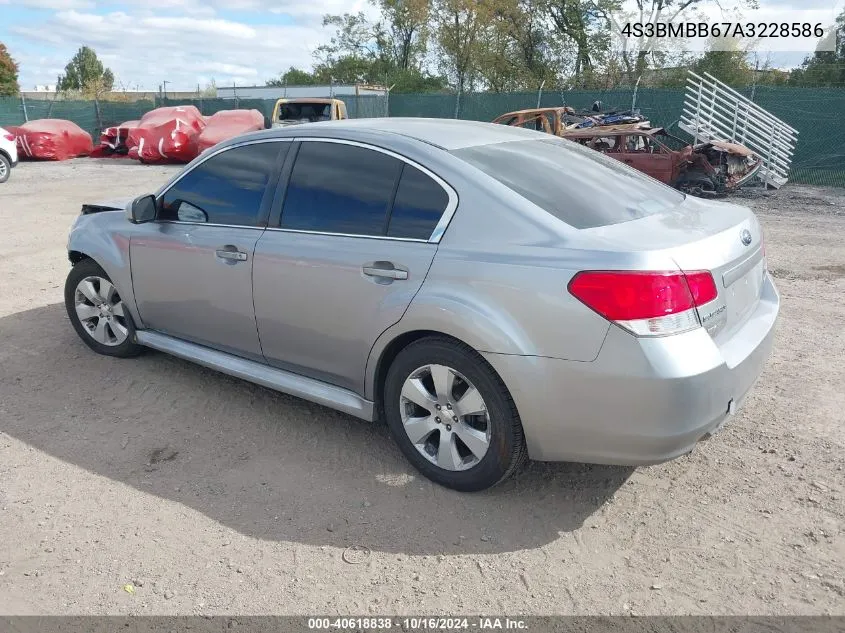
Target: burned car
(548, 120)
(706, 169)
(558, 119)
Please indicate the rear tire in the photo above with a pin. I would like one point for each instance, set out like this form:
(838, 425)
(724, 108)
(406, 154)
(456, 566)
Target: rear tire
(5, 168)
(452, 415)
(98, 313)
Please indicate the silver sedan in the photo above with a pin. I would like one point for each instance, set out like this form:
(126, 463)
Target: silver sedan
(491, 293)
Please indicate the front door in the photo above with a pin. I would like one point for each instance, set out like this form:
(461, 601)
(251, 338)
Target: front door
(192, 266)
(349, 254)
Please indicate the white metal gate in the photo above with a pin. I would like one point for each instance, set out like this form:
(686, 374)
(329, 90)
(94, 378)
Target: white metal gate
(715, 111)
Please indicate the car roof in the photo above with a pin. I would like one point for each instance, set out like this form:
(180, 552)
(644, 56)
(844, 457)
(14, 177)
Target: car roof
(306, 100)
(448, 134)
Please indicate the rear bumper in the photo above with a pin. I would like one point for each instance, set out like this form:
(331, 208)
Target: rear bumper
(643, 400)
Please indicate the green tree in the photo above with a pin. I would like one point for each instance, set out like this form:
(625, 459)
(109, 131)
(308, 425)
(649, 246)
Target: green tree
(8, 73)
(583, 23)
(86, 73)
(402, 33)
(459, 30)
(730, 66)
(536, 47)
(294, 77)
(389, 52)
(825, 68)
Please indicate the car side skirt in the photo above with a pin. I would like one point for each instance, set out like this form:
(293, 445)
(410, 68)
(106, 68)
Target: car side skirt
(261, 374)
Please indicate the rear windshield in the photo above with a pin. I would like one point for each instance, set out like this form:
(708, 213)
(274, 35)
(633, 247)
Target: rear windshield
(578, 185)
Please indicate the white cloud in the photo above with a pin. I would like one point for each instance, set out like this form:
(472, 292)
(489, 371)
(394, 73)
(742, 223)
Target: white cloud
(218, 28)
(56, 5)
(303, 8)
(146, 49)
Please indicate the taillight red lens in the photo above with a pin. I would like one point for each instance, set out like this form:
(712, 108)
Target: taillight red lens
(9, 137)
(631, 295)
(702, 286)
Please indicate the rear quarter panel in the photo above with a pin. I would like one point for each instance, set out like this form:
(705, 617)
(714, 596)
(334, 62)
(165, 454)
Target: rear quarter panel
(499, 279)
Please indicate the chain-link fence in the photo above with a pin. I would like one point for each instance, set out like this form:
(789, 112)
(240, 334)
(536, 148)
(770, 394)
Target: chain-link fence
(815, 112)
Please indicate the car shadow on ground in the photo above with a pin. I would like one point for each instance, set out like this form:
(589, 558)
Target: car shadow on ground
(263, 463)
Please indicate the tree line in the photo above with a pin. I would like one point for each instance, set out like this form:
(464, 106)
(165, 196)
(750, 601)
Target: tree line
(515, 45)
(498, 46)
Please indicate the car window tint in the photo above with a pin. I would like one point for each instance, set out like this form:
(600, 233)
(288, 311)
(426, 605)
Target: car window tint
(420, 201)
(576, 184)
(225, 189)
(338, 188)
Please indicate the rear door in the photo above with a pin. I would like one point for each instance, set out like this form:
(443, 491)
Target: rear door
(192, 266)
(352, 248)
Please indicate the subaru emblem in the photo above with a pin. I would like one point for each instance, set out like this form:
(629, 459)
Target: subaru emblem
(745, 237)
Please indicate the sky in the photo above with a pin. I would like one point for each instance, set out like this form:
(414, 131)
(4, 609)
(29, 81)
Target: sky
(184, 42)
(190, 42)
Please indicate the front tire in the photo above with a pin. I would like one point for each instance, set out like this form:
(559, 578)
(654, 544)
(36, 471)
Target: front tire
(98, 313)
(452, 415)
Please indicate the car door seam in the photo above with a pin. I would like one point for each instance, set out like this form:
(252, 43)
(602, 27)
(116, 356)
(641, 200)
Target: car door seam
(252, 294)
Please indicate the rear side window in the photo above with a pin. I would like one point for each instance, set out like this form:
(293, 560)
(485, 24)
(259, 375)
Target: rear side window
(337, 188)
(578, 185)
(420, 201)
(225, 189)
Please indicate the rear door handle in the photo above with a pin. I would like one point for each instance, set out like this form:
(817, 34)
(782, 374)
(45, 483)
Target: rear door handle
(231, 255)
(385, 273)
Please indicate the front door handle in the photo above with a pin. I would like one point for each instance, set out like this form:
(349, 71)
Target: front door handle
(385, 270)
(232, 255)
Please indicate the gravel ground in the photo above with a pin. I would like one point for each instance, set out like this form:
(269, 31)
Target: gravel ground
(155, 486)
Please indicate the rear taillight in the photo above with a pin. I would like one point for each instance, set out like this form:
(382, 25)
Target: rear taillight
(701, 286)
(9, 137)
(646, 303)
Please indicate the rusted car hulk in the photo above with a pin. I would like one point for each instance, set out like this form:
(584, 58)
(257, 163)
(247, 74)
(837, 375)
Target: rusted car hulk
(707, 169)
(548, 120)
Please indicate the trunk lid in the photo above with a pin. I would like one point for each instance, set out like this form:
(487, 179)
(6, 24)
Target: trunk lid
(720, 237)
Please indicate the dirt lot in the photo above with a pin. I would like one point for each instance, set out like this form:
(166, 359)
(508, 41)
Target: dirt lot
(211, 495)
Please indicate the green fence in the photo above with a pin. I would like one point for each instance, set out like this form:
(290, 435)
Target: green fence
(817, 114)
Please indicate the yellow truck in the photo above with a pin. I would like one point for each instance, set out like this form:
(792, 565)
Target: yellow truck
(295, 111)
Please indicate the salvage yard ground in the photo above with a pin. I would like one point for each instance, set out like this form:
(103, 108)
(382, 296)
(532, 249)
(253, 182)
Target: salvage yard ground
(211, 495)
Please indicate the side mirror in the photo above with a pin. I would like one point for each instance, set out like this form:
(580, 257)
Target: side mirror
(143, 209)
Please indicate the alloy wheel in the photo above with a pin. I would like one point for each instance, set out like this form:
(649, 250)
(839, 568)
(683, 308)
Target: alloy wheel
(445, 417)
(101, 311)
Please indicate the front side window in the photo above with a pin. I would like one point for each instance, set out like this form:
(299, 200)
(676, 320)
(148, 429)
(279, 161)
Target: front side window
(225, 189)
(673, 143)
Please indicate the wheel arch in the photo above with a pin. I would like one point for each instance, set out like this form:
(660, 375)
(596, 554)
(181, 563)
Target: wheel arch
(100, 239)
(387, 348)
